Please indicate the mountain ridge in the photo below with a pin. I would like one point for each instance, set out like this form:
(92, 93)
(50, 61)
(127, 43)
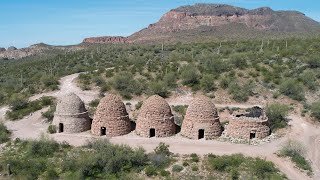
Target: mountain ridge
(212, 17)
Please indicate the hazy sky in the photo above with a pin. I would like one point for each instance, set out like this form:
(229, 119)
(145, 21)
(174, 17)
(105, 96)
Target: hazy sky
(63, 22)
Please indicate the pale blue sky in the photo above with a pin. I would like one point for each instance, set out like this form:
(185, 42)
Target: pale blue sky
(63, 22)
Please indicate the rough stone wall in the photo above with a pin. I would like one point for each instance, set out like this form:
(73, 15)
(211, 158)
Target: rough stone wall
(111, 113)
(201, 114)
(243, 126)
(72, 123)
(72, 113)
(155, 114)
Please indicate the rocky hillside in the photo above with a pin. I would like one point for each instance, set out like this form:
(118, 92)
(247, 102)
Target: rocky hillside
(203, 21)
(36, 49)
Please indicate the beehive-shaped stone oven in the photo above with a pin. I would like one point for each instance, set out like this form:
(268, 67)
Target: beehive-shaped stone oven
(201, 120)
(111, 117)
(249, 125)
(71, 115)
(155, 118)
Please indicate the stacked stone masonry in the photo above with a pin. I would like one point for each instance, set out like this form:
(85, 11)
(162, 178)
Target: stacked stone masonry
(201, 120)
(248, 127)
(71, 115)
(111, 117)
(155, 118)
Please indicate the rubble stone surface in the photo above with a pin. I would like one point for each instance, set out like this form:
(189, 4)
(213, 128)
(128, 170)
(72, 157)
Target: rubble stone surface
(71, 115)
(155, 115)
(111, 117)
(201, 115)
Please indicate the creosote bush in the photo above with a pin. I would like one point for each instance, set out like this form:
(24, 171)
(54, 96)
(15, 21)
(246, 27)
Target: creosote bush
(296, 151)
(277, 114)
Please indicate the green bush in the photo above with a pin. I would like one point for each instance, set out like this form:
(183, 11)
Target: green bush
(164, 173)
(150, 171)
(194, 168)
(52, 129)
(49, 115)
(315, 110)
(207, 83)
(162, 148)
(177, 168)
(159, 88)
(190, 75)
(4, 133)
(194, 157)
(276, 114)
(292, 89)
(21, 108)
(296, 151)
(226, 163)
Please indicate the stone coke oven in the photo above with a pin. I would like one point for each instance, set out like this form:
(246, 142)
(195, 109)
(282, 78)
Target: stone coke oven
(111, 117)
(71, 115)
(249, 125)
(155, 118)
(201, 120)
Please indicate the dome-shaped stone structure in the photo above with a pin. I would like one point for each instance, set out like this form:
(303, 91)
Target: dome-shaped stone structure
(155, 118)
(249, 125)
(71, 115)
(111, 117)
(201, 120)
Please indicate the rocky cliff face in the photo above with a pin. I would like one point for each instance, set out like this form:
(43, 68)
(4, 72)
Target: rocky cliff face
(215, 20)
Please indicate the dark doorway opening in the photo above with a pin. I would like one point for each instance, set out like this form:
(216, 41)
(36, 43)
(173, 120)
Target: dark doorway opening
(60, 127)
(201, 134)
(103, 131)
(152, 132)
(133, 125)
(252, 135)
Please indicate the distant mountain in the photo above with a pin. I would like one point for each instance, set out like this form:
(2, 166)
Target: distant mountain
(36, 49)
(213, 21)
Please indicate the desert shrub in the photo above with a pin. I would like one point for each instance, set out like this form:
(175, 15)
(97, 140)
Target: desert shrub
(194, 157)
(190, 75)
(42, 148)
(21, 108)
(181, 109)
(49, 115)
(162, 148)
(177, 168)
(276, 114)
(4, 133)
(185, 164)
(170, 80)
(207, 83)
(292, 89)
(150, 171)
(159, 160)
(225, 163)
(241, 93)
(126, 85)
(52, 129)
(315, 110)
(49, 82)
(159, 88)
(262, 169)
(194, 168)
(314, 61)
(164, 173)
(296, 151)
(309, 79)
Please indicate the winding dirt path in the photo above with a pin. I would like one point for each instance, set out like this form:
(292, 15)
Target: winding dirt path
(32, 127)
